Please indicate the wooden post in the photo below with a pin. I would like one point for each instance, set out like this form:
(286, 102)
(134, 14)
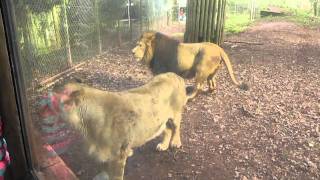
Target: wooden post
(206, 19)
(202, 15)
(186, 34)
(66, 26)
(217, 27)
(196, 34)
(223, 15)
(210, 18)
(214, 20)
(193, 20)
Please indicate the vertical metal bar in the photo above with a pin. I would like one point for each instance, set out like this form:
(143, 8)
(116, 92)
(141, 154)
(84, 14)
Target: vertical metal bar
(129, 19)
(96, 10)
(140, 16)
(24, 157)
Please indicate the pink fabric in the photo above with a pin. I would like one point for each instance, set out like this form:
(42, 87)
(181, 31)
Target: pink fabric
(5, 159)
(54, 129)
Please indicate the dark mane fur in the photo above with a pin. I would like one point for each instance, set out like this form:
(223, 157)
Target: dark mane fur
(165, 55)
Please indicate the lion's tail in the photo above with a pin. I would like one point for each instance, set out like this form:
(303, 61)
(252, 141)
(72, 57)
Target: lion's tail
(230, 70)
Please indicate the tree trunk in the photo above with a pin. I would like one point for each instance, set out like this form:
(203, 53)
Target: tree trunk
(205, 20)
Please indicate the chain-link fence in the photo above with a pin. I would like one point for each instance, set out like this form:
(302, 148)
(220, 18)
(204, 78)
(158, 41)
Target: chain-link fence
(54, 35)
(244, 7)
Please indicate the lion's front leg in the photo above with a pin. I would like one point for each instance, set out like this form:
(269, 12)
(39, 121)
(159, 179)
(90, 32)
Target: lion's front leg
(176, 140)
(116, 168)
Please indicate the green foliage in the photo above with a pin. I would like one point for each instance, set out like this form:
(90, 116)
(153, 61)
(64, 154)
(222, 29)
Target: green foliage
(298, 11)
(261, 4)
(283, 3)
(236, 23)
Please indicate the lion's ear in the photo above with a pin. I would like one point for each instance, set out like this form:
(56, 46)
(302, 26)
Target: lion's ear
(78, 79)
(152, 37)
(148, 35)
(74, 96)
(77, 93)
(151, 40)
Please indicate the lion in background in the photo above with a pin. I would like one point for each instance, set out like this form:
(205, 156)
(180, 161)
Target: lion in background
(200, 60)
(115, 122)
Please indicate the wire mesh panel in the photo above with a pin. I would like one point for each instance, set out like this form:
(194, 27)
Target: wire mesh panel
(56, 35)
(82, 29)
(54, 38)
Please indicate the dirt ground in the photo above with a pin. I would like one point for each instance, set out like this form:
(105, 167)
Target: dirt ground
(268, 132)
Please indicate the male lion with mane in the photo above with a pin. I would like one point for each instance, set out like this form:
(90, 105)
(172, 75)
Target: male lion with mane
(200, 60)
(115, 122)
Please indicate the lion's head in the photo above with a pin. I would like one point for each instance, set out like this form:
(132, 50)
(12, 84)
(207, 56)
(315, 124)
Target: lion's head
(145, 47)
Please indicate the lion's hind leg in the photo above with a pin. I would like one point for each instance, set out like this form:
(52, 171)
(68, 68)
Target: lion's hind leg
(212, 84)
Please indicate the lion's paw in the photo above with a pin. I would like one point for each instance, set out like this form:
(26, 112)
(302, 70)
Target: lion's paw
(162, 147)
(175, 144)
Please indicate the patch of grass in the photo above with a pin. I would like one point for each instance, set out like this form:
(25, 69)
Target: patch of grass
(236, 23)
(303, 18)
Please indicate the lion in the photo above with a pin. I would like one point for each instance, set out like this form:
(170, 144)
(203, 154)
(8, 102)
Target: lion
(200, 60)
(113, 123)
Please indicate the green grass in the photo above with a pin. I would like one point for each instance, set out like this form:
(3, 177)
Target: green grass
(303, 18)
(236, 23)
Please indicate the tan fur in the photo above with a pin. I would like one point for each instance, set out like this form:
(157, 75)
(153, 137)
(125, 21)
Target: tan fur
(115, 122)
(199, 60)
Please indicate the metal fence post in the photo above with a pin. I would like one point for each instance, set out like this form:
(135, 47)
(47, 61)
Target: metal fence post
(97, 17)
